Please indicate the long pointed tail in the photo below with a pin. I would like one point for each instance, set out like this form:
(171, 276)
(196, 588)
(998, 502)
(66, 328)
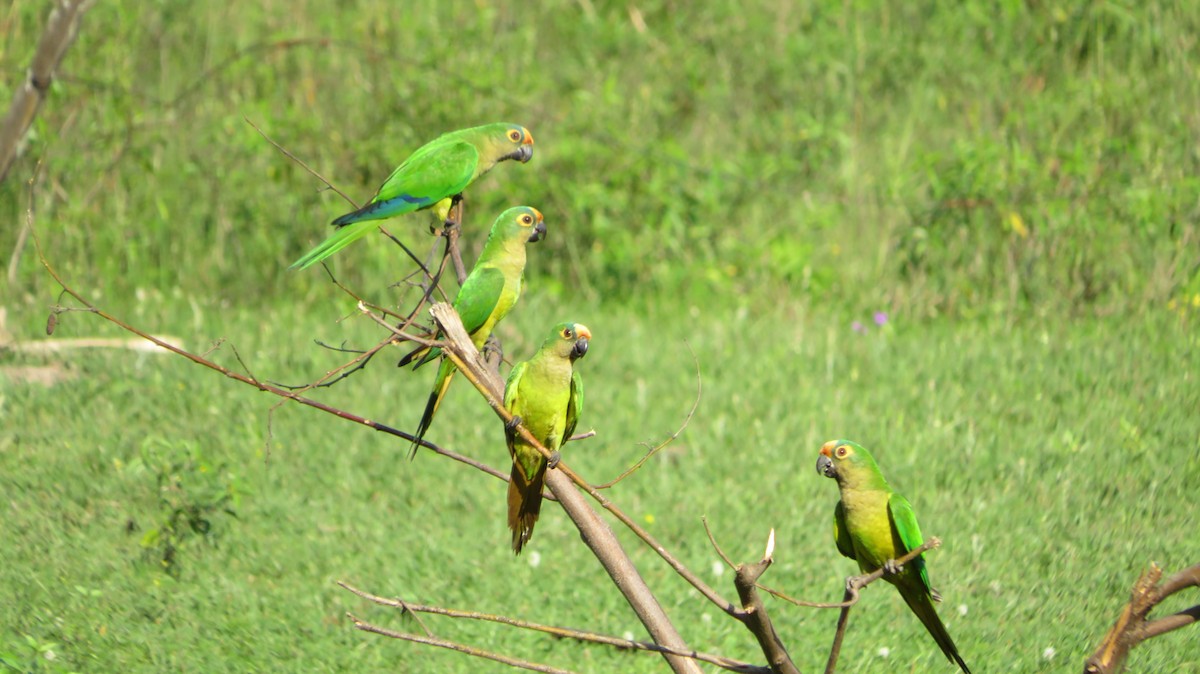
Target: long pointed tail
(440, 386)
(921, 604)
(524, 505)
(336, 241)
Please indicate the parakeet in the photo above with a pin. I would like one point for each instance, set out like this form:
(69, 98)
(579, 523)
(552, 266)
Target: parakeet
(873, 525)
(487, 294)
(432, 177)
(546, 395)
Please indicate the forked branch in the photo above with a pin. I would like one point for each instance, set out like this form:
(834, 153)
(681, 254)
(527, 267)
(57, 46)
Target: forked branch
(1134, 626)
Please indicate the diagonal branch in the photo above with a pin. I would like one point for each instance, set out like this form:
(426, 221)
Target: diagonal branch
(754, 613)
(1133, 626)
(563, 632)
(460, 349)
(455, 646)
(856, 583)
(595, 533)
(60, 31)
(686, 420)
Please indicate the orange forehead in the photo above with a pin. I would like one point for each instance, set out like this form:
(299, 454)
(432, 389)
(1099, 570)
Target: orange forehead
(827, 448)
(528, 136)
(582, 331)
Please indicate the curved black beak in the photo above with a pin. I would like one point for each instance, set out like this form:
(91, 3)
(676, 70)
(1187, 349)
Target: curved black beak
(539, 232)
(825, 466)
(580, 349)
(521, 154)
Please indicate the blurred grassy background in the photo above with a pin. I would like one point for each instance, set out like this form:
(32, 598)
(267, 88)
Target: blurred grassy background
(1013, 184)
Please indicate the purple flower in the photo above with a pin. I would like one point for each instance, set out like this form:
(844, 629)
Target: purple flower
(858, 327)
(880, 318)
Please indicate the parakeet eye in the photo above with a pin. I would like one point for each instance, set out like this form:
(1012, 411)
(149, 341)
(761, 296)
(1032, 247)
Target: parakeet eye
(841, 452)
(527, 219)
(514, 136)
(566, 333)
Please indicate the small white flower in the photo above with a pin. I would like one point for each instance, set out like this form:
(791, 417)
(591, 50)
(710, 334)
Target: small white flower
(718, 568)
(627, 636)
(1048, 654)
(49, 655)
(962, 609)
(535, 559)
(884, 652)
(705, 618)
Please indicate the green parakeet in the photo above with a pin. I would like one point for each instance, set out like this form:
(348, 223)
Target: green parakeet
(432, 177)
(486, 296)
(546, 394)
(874, 525)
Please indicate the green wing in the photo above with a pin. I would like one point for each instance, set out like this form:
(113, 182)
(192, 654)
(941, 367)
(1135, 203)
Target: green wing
(433, 172)
(907, 533)
(478, 297)
(574, 406)
(510, 400)
(841, 534)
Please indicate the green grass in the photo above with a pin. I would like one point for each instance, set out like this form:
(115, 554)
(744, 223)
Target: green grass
(1014, 184)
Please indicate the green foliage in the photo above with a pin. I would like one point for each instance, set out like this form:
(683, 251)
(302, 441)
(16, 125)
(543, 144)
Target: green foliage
(947, 160)
(1013, 183)
(192, 491)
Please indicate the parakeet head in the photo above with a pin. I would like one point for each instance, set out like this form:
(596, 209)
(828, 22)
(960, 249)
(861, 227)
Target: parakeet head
(850, 464)
(519, 143)
(569, 340)
(519, 224)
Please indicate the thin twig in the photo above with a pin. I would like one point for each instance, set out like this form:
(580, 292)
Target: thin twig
(754, 613)
(856, 583)
(564, 632)
(865, 579)
(686, 420)
(460, 648)
(287, 153)
(262, 386)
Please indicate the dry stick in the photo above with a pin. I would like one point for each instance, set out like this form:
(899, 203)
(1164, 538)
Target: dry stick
(595, 532)
(686, 420)
(856, 583)
(754, 613)
(564, 632)
(262, 386)
(61, 28)
(455, 646)
(60, 31)
(1132, 627)
(460, 350)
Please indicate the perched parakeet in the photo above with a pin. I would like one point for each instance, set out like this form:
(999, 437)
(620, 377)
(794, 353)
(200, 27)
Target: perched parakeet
(432, 177)
(874, 525)
(546, 395)
(487, 294)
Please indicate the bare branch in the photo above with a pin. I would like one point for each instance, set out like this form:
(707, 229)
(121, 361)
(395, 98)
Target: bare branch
(300, 161)
(754, 613)
(1133, 627)
(686, 420)
(455, 646)
(61, 28)
(564, 632)
(460, 348)
(595, 533)
(856, 583)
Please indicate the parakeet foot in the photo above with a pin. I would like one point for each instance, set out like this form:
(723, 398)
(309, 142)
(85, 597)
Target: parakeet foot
(512, 424)
(492, 345)
(555, 457)
(891, 568)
